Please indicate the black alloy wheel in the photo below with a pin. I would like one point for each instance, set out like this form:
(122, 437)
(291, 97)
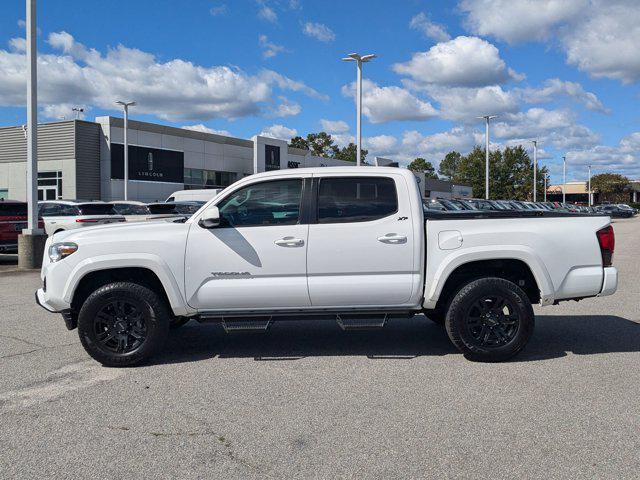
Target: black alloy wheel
(120, 327)
(492, 321)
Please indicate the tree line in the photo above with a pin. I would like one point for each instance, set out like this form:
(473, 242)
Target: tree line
(510, 172)
(511, 169)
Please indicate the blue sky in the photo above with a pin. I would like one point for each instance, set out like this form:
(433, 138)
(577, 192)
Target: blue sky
(565, 73)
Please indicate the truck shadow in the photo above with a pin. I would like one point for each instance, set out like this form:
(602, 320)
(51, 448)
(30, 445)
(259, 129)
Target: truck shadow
(555, 336)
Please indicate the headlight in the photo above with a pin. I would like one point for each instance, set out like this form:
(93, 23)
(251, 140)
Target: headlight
(58, 251)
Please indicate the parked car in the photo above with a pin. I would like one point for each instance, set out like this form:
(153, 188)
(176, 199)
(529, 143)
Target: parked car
(347, 243)
(481, 204)
(202, 195)
(443, 204)
(138, 212)
(13, 219)
(186, 209)
(60, 215)
(624, 206)
(615, 211)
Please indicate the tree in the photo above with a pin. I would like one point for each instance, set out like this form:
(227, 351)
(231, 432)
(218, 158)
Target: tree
(349, 153)
(321, 144)
(510, 173)
(299, 142)
(610, 186)
(421, 165)
(449, 165)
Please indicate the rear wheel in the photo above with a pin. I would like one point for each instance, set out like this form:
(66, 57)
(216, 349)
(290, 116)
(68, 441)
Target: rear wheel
(490, 320)
(122, 324)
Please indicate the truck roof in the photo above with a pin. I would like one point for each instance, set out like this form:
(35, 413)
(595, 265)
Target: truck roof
(364, 170)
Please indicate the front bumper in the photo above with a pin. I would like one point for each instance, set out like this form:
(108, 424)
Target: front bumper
(42, 301)
(610, 282)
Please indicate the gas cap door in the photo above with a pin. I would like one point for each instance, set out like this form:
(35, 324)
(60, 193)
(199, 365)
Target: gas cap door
(449, 239)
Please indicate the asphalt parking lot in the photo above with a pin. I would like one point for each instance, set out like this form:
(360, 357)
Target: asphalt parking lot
(310, 401)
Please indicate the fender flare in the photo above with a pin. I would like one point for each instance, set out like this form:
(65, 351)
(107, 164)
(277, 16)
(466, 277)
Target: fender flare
(134, 260)
(502, 252)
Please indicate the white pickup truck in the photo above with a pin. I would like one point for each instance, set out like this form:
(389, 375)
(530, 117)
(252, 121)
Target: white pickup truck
(349, 243)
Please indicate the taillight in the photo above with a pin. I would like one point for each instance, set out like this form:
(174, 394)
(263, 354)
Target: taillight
(87, 220)
(607, 241)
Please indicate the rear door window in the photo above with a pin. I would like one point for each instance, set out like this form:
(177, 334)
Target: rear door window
(356, 199)
(96, 209)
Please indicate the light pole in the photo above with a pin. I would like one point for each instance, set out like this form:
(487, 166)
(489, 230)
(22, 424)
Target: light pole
(486, 152)
(535, 168)
(359, 59)
(545, 187)
(78, 111)
(589, 189)
(31, 241)
(564, 179)
(125, 107)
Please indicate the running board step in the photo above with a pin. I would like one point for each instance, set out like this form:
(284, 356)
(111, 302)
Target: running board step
(361, 322)
(245, 324)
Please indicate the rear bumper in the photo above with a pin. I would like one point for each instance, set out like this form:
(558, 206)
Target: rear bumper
(8, 247)
(610, 282)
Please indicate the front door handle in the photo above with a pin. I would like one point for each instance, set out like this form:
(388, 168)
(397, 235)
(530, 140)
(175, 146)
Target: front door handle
(289, 242)
(393, 238)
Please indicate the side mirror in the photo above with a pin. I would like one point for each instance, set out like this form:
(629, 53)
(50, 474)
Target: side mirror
(210, 218)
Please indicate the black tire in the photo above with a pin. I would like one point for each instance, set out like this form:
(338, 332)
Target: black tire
(123, 313)
(490, 320)
(177, 322)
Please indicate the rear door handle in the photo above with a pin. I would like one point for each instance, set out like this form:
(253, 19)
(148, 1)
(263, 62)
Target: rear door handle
(393, 238)
(289, 242)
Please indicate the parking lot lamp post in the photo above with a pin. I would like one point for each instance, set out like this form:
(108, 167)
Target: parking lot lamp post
(125, 107)
(486, 152)
(535, 168)
(589, 186)
(545, 187)
(359, 59)
(564, 179)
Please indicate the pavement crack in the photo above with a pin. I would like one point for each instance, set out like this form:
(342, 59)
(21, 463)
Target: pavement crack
(18, 339)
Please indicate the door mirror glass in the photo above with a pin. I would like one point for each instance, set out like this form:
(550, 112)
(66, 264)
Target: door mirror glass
(210, 218)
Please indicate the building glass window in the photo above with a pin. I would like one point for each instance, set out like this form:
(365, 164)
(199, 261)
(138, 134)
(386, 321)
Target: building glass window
(50, 185)
(4, 193)
(197, 178)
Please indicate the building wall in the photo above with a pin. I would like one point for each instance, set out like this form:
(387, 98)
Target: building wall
(56, 152)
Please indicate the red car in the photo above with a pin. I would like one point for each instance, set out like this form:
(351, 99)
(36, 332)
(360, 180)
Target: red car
(13, 218)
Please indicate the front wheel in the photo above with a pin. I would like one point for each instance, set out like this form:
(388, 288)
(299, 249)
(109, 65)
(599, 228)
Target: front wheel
(122, 324)
(490, 320)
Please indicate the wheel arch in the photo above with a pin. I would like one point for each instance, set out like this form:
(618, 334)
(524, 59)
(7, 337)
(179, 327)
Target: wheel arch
(534, 281)
(154, 273)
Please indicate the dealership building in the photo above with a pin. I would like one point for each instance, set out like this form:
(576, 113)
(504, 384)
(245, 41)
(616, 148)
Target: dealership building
(78, 159)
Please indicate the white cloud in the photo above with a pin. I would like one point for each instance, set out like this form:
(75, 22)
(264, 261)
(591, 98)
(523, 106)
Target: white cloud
(462, 62)
(203, 128)
(554, 87)
(334, 126)
(280, 132)
(218, 10)
(268, 14)
(18, 44)
(465, 104)
(286, 108)
(519, 20)
(429, 29)
(605, 43)
(380, 145)
(269, 49)
(599, 37)
(386, 104)
(173, 90)
(318, 31)
(623, 158)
